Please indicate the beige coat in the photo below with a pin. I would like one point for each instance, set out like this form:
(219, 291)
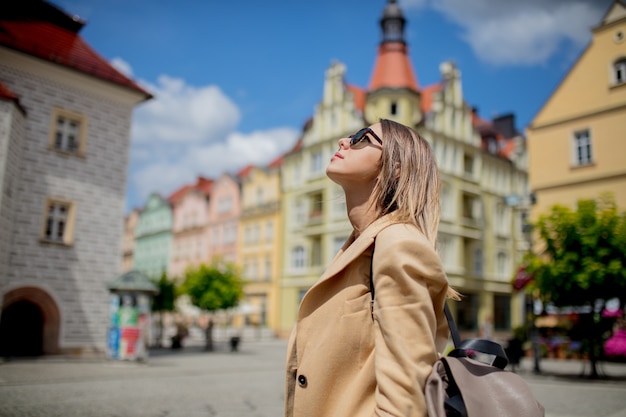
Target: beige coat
(344, 362)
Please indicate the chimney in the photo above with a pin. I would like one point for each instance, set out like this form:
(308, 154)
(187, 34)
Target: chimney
(505, 124)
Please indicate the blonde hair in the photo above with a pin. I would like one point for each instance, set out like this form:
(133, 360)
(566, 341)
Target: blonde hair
(408, 183)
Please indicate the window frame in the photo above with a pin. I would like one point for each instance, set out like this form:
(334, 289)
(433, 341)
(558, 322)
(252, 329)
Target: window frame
(298, 258)
(577, 145)
(67, 238)
(618, 71)
(79, 118)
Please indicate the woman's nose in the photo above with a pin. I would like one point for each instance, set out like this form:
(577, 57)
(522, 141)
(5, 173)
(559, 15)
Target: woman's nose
(344, 143)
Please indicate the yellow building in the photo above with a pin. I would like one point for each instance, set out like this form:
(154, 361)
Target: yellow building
(482, 164)
(260, 243)
(576, 141)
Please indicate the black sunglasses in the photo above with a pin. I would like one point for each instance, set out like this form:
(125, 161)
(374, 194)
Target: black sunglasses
(359, 139)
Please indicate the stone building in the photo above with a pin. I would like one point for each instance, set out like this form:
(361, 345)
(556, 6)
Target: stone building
(65, 117)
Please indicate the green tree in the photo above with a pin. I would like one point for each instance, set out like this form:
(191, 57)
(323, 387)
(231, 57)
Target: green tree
(163, 302)
(582, 263)
(212, 288)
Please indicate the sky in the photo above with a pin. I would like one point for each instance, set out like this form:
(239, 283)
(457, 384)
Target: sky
(234, 81)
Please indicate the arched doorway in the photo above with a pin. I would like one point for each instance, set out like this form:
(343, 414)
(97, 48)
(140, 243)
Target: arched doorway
(21, 330)
(29, 324)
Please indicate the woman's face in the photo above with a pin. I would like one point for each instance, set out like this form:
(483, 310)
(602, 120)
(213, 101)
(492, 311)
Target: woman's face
(357, 161)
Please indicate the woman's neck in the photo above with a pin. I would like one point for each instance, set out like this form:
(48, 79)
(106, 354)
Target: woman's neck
(361, 210)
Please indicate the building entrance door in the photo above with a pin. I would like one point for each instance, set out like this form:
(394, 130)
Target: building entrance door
(21, 330)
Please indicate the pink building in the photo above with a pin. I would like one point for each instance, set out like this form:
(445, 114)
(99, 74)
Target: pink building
(224, 213)
(191, 236)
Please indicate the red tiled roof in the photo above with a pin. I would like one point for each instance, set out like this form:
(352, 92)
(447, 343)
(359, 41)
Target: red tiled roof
(359, 96)
(427, 96)
(62, 46)
(203, 185)
(393, 68)
(7, 94)
(507, 148)
(180, 193)
(486, 129)
(276, 162)
(245, 171)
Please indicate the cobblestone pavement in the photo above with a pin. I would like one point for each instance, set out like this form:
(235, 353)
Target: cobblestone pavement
(190, 383)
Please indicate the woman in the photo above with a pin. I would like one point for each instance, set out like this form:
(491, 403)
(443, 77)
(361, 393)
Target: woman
(348, 357)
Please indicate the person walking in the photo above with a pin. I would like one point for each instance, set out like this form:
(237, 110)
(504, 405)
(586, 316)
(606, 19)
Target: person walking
(349, 355)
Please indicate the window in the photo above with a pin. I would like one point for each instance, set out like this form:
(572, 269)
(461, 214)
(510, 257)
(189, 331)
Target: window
(477, 259)
(471, 207)
(619, 71)
(299, 212)
(267, 274)
(298, 257)
(502, 219)
(502, 311)
(252, 271)
(467, 312)
(444, 249)
(468, 165)
(338, 209)
(225, 204)
(230, 233)
(316, 251)
(502, 266)
(316, 163)
(247, 234)
(447, 203)
(394, 108)
(317, 208)
(58, 222)
(68, 132)
(269, 231)
(582, 148)
(338, 243)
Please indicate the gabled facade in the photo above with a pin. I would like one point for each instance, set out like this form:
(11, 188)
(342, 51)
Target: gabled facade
(480, 238)
(313, 207)
(65, 117)
(576, 141)
(224, 213)
(153, 237)
(260, 243)
(190, 227)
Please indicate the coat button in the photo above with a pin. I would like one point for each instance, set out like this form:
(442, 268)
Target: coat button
(302, 380)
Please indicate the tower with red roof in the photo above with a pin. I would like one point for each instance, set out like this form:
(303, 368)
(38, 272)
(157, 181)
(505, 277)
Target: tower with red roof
(481, 164)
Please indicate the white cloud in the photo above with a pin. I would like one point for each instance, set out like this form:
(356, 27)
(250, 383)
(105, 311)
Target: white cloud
(187, 131)
(122, 66)
(181, 113)
(511, 32)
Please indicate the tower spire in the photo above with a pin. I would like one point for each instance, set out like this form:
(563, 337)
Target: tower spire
(393, 68)
(392, 23)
